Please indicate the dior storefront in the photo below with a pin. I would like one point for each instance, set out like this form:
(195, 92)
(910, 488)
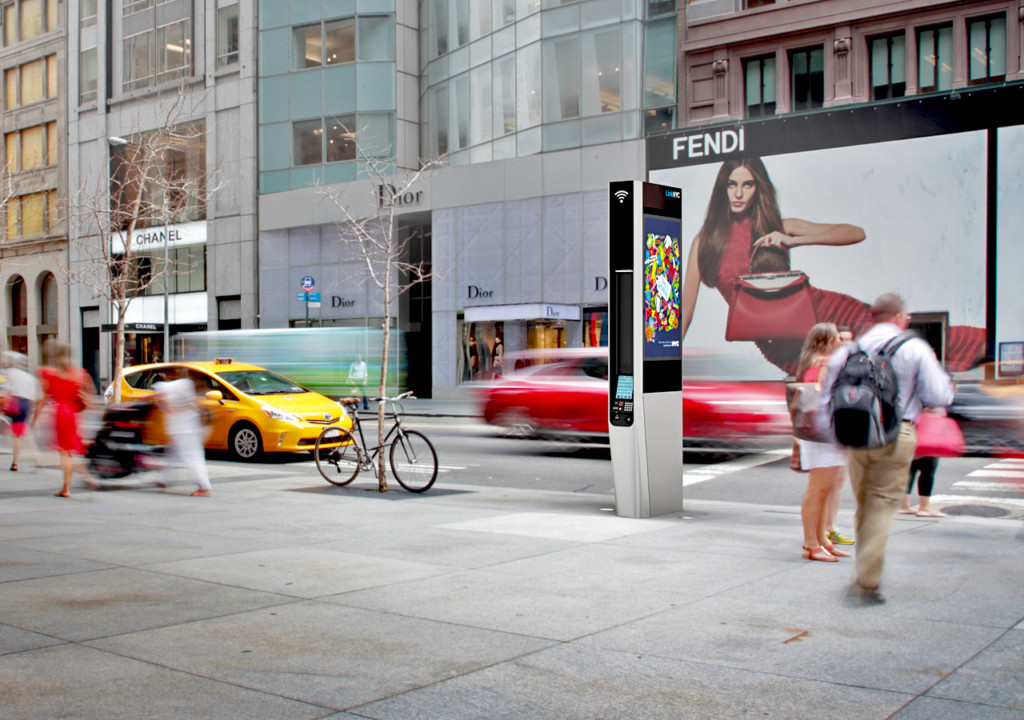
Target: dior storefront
(512, 271)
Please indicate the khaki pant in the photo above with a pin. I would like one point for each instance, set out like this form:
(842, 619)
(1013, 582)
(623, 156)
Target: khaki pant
(879, 479)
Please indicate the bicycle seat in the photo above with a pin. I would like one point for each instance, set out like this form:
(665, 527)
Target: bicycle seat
(350, 401)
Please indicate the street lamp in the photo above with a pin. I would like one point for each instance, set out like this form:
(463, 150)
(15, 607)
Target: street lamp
(116, 141)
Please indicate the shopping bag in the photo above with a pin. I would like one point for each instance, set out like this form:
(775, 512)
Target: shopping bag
(804, 402)
(770, 305)
(938, 436)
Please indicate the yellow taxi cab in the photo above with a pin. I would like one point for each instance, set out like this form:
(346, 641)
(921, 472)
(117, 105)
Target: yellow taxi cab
(254, 410)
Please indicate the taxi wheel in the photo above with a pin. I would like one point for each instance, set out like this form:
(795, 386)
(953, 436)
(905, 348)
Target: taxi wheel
(245, 442)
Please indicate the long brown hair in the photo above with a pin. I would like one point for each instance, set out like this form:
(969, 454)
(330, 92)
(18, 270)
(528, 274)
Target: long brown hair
(714, 234)
(821, 341)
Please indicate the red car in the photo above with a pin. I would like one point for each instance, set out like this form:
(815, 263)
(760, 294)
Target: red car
(565, 393)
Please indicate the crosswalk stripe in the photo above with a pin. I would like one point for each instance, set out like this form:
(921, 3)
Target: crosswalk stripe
(989, 486)
(710, 472)
(1019, 474)
(961, 499)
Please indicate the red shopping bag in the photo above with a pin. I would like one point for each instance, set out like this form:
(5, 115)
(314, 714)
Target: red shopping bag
(938, 436)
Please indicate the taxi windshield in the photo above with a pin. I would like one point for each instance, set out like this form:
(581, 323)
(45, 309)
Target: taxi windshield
(260, 382)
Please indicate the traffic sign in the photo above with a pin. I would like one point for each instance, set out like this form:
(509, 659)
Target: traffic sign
(303, 296)
(308, 283)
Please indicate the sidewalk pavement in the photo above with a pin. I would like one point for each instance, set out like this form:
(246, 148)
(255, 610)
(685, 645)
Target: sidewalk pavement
(283, 597)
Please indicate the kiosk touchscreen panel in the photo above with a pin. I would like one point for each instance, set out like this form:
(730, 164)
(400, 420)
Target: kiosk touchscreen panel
(662, 287)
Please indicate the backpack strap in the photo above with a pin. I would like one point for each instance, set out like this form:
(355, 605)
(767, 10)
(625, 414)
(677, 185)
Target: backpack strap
(894, 344)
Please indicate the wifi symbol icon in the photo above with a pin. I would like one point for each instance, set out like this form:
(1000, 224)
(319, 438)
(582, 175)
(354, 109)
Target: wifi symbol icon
(622, 195)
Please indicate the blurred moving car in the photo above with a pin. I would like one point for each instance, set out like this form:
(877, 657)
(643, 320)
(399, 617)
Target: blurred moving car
(564, 393)
(990, 412)
(254, 411)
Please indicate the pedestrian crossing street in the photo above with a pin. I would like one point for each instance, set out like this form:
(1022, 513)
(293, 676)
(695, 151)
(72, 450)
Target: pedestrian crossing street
(1000, 483)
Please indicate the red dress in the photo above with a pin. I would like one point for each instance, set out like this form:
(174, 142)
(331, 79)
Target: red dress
(965, 345)
(64, 389)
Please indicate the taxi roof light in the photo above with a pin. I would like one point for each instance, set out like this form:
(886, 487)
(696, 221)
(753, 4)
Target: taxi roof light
(222, 361)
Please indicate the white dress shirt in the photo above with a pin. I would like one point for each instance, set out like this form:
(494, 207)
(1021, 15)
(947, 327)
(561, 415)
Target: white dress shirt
(922, 381)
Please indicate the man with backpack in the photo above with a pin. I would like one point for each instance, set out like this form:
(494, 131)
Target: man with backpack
(873, 392)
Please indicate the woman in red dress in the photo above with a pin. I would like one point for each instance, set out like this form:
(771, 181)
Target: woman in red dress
(67, 387)
(743, 214)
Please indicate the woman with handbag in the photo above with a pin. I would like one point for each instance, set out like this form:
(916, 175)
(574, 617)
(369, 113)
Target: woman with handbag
(743, 214)
(67, 387)
(826, 462)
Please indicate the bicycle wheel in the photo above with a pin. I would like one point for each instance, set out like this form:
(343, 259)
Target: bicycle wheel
(337, 456)
(413, 461)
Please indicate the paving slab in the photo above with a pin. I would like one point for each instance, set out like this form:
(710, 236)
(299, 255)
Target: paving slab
(570, 682)
(995, 676)
(109, 602)
(313, 572)
(820, 640)
(73, 682)
(325, 654)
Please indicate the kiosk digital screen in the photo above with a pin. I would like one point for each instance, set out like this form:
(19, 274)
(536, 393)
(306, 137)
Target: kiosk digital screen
(662, 285)
(624, 388)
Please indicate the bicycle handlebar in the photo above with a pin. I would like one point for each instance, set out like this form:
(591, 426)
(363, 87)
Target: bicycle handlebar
(403, 396)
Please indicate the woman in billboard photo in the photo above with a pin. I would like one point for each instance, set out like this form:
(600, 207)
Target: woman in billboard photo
(743, 215)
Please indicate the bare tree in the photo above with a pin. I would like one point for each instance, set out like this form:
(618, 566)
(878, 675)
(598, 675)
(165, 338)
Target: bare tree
(148, 184)
(384, 251)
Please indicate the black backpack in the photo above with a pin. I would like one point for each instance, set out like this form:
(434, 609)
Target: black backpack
(865, 411)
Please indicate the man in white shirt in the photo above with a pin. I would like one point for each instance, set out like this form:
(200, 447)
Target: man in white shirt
(879, 476)
(357, 375)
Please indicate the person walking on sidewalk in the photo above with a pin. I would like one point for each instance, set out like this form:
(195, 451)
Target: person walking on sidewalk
(69, 388)
(923, 469)
(176, 397)
(357, 375)
(879, 475)
(19, 404)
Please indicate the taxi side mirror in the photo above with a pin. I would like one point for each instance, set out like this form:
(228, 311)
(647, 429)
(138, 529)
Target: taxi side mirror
(215, 396)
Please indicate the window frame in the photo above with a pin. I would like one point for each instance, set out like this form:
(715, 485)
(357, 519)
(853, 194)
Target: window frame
(809, 102)
(987, 20)
(936, 75)
(764, 111)
(228, 35)
(891, 87)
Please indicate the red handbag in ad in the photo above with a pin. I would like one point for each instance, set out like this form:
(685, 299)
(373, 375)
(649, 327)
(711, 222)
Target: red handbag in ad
(770, 305)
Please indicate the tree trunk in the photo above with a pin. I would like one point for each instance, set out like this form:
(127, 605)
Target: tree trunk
(122, 311)
(382, 480)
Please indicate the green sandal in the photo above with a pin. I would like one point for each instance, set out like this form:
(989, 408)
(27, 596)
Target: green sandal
(838, 539)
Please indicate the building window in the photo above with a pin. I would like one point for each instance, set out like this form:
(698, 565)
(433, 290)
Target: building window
(759, 79)
(87, 12)
(31, 82)
(138, 61)
(227, 36)
(134, 6)
(660, 50)
(175, 163)
(657, 8)
(748, 4)
(328, 43)
(174, 50)
(341, 139)
(986, 39)
(27, 19)
(87, 76)
(807, 75)
(308, 142)
(31, 148)
(32, 215)
(186, 270)
(888, 55)
(935, 59)
(157, 55)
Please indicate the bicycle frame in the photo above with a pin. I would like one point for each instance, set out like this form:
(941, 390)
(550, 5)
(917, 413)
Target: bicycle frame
(368, 455)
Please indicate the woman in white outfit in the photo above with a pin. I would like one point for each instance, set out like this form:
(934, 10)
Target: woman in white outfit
(176, 396)
(825, 461)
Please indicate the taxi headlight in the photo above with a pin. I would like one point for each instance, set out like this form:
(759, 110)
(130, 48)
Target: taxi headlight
(276, 414)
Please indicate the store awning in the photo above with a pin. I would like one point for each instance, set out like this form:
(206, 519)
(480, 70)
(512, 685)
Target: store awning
(531, 311)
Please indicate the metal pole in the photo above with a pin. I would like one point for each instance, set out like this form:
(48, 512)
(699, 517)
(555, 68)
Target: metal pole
(167, 277)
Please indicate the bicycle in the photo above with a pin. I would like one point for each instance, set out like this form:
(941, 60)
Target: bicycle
(340, 455)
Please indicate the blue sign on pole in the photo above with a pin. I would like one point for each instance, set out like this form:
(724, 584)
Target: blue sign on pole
(313, 297)
(308, 283)
(301, 297)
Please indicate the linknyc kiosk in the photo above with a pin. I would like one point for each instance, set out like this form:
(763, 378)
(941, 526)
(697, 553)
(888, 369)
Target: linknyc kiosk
(645, 417)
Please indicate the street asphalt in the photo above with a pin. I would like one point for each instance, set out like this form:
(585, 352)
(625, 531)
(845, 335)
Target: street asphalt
(280, 596)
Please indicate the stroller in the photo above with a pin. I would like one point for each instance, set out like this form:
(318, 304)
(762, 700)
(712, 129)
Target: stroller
(130, 439)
